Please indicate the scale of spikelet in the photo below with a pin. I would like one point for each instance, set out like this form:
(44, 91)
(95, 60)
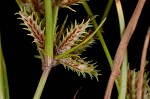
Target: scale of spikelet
(34, 28)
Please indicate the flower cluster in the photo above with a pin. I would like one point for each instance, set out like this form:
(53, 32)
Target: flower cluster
(33, 18)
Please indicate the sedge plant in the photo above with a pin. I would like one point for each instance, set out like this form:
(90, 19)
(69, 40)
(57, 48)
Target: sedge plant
(64, 45)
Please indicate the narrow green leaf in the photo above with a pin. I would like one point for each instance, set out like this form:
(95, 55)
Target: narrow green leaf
(55, 16)
(124, 68)
(60, 34)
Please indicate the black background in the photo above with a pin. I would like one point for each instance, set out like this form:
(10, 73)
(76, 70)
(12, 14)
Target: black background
(24, 70)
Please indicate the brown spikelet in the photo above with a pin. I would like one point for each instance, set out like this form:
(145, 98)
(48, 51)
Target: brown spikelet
(35, 29)
(74, 34)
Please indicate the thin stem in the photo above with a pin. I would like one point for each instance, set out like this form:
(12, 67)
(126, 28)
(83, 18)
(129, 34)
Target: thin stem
(41, 84)
(142, 66)
(49, 36)
(49, 39)
(99, 34)
(107, 9)
(4, 88)
(75, 96)
(123, 46)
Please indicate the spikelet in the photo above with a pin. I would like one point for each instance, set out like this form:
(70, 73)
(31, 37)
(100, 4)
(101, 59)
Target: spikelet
(35, 29)
(76, 64)
(73, 35)
(132, 85)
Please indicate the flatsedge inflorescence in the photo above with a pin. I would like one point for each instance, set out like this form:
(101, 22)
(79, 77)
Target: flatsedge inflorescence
(33, 16)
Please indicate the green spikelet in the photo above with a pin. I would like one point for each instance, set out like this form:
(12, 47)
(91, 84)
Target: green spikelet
(76, 64)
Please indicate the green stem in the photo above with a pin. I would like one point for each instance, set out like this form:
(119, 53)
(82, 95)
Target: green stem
(102, 41)
(107, 9)
(49, 39)
(89, 12)
(41, 84)
(4, 89)
(49, 36)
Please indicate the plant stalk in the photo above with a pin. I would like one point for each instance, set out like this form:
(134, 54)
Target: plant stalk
(41, 84)
(49, 36)
(102, 41)
(99, 34)
(142, 66)
(49, 39)
(4, 88)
